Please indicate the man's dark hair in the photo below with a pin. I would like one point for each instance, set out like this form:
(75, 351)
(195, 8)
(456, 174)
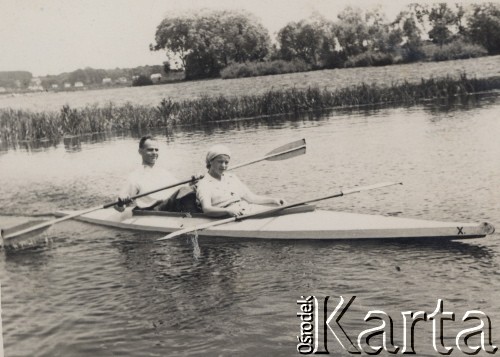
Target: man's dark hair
(143, 140)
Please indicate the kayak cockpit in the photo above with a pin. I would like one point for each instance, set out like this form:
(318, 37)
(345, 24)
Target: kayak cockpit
(293, 210)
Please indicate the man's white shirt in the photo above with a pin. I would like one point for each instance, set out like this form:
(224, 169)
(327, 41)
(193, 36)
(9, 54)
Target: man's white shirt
(147, 178)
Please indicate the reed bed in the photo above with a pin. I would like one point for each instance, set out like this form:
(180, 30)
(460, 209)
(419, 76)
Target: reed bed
(22, 125)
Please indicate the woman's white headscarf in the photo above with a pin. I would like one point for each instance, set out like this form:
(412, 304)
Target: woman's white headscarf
(215, 151)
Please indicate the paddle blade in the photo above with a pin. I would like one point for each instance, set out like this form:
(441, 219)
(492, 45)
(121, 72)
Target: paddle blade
(173, 235)
(29, 239)
(46, 224)
(287, 151)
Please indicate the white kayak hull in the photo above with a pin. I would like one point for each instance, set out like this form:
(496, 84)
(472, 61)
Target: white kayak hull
(311, 224)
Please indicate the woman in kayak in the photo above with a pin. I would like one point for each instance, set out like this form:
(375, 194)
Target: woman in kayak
(221, 193)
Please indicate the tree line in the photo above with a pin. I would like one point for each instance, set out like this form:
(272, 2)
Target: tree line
(12, 79)
(92, 76)
(207, 43)
(88, 76)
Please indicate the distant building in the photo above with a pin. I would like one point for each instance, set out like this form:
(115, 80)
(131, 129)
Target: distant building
(78, 84)
(155, 77)
(67, 85)
(55, 86)
(35, 88)
(35, 81)
(135, 77)
(35, 85)
(3, 90)
(106, 81)
(122, 80)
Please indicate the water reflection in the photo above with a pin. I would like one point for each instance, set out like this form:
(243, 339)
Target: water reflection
(407, 247)
(184, 287)
(30, 146)
(460, 104)
(73, 143)
(29, 258)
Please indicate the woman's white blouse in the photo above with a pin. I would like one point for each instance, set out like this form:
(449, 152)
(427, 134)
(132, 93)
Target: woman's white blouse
(215, 193)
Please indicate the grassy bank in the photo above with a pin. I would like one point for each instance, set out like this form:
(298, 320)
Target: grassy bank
(17, 125)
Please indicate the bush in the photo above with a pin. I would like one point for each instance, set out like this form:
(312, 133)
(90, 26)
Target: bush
(457, 49)
(254, 69)
(411, 53)
(200, 65)
(142, 81)
(334, 59)
(369, 58)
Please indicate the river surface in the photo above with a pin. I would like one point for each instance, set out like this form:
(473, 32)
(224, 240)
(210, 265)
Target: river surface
(86, 290)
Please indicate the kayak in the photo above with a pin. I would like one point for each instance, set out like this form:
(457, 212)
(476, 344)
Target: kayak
(304, 222)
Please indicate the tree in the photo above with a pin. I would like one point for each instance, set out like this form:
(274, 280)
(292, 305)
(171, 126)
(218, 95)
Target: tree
(442, 18)
(484, 26)
(87, 75)
(411, 23)
(166, 67)
(208, 41)
(301, 40)
(382, 35)
(440, 22)
(173, 35)
(11, 79)
(351, 31)
(367, 38)
(313, 41)
(201, 64)
(326, 44)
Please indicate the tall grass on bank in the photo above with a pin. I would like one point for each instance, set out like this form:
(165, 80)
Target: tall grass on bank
(19, 125)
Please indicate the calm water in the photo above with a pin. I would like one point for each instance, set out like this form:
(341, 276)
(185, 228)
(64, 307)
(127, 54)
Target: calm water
(94, 291)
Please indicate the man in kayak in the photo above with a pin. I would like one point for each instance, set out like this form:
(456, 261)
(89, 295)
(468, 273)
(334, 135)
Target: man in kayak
(221, 193)
(147, 178)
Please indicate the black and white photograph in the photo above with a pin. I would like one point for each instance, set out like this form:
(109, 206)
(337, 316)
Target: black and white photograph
(262, 178)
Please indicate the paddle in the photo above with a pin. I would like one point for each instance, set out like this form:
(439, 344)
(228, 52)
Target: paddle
(275, 209)
(281, 153)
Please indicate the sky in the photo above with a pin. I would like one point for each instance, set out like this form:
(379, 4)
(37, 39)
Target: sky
(55, 36)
